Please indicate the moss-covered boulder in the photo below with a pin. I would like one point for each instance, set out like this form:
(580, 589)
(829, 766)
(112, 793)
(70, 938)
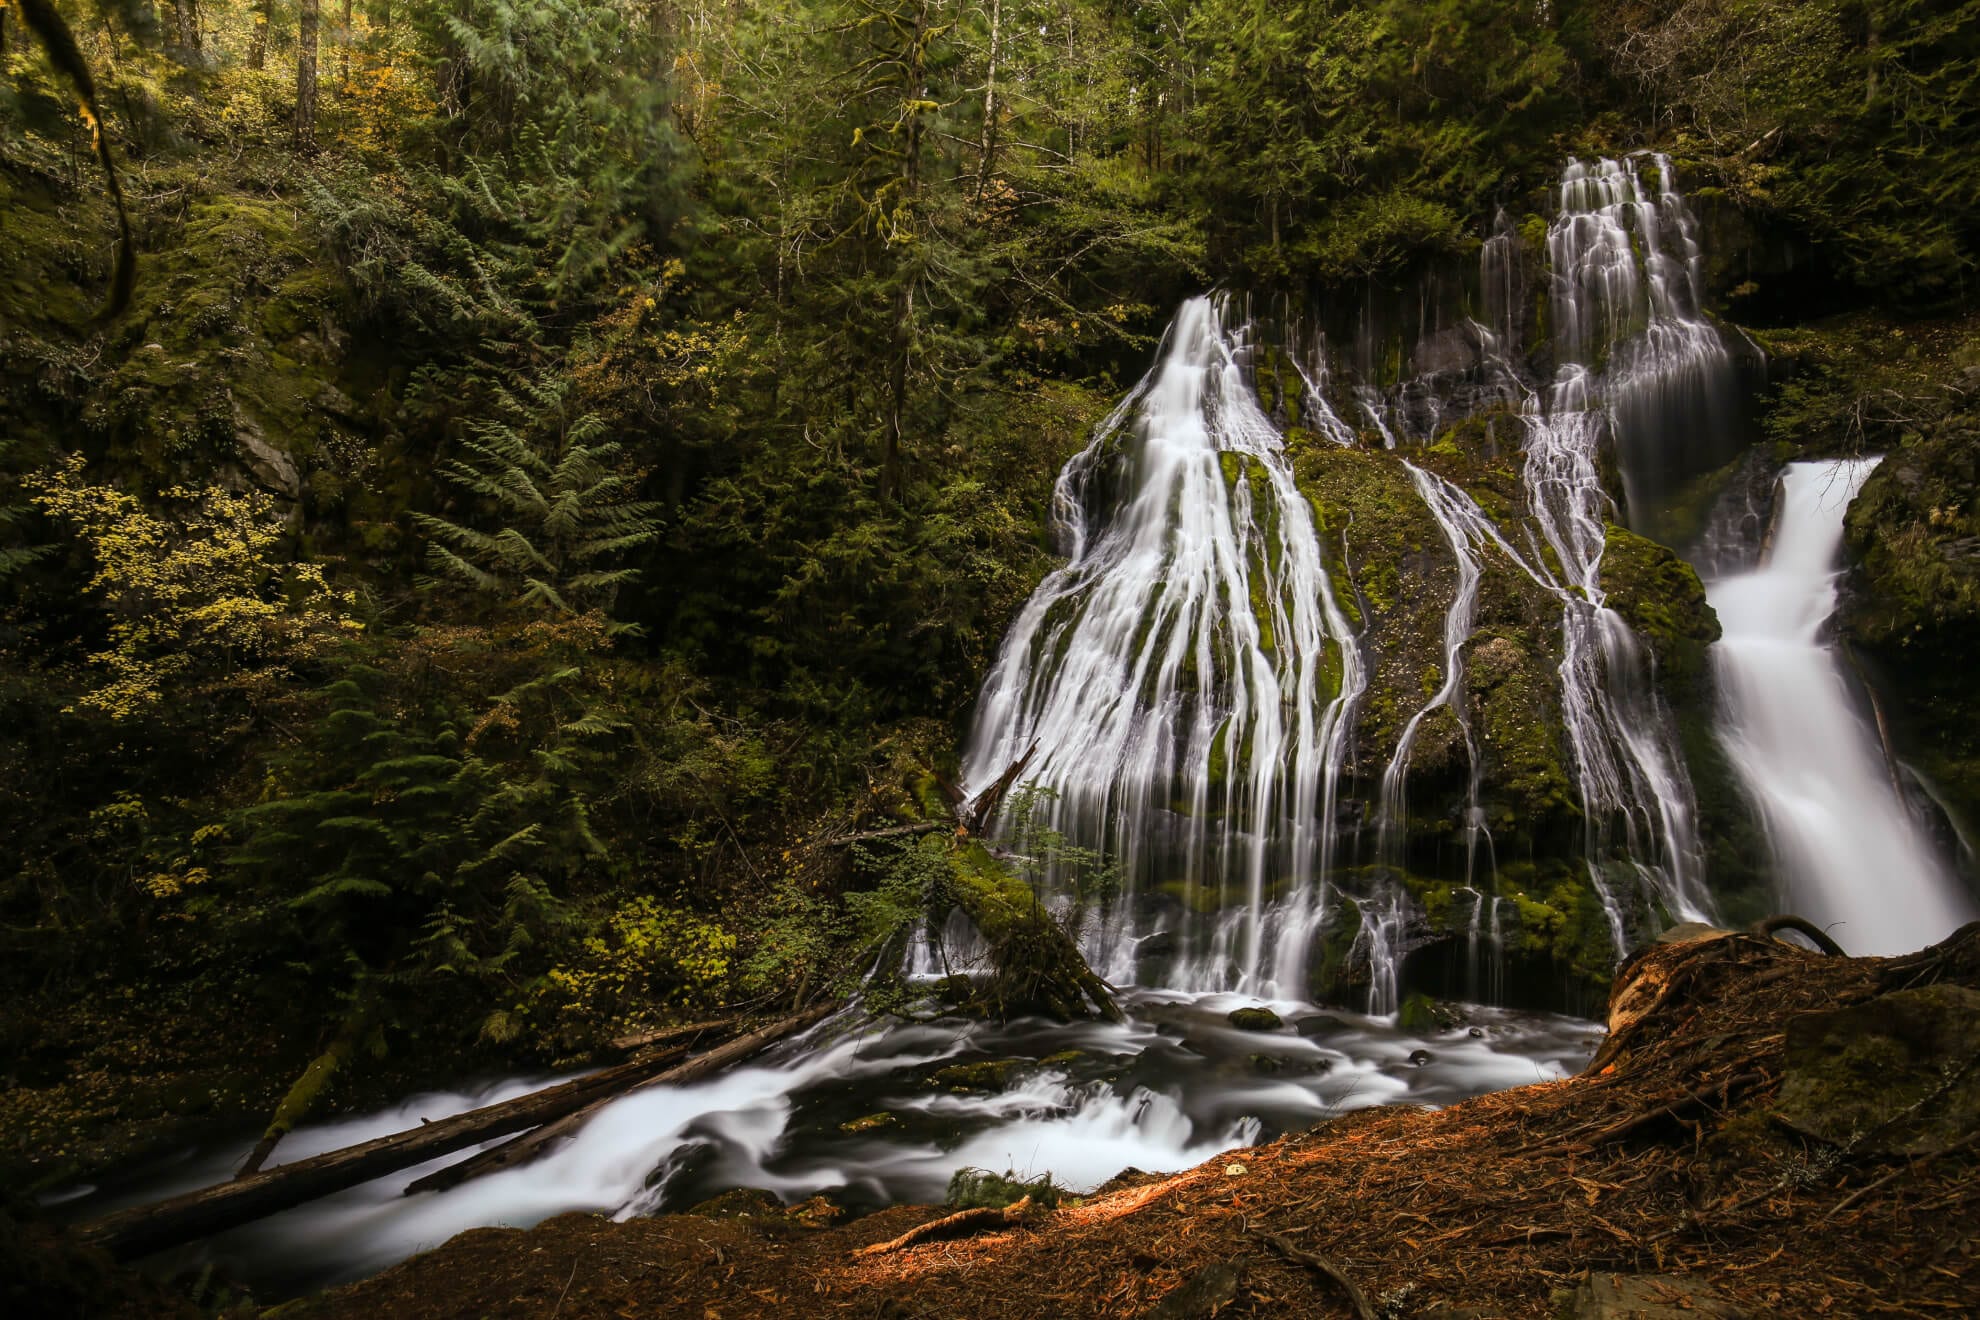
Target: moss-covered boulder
(1896, 1074)
(1660, 596)
(1255, 1018)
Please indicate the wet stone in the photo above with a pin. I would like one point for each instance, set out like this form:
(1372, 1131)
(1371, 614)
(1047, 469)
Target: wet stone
(1254, 1019)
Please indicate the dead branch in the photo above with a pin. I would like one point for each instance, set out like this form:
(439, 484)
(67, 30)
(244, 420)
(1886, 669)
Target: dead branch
(960, 1224)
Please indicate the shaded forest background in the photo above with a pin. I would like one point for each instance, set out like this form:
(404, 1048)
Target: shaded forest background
(569, 461)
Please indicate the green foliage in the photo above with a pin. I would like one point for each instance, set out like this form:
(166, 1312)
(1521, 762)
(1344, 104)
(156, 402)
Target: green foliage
(1342, 138)
(396, 849)
(1857, 120)
(197, 597)
(563, 515)
(980, 1189)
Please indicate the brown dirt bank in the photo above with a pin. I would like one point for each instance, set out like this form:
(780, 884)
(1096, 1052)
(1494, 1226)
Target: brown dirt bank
(1686, 1150)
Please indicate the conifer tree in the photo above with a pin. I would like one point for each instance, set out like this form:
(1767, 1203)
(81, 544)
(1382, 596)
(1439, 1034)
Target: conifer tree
(560, 503)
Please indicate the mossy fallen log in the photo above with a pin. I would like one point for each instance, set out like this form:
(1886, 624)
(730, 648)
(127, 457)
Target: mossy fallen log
(1036, 966)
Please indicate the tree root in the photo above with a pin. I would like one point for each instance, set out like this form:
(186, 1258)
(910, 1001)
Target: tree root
(1768, 926)
(1320, 1264)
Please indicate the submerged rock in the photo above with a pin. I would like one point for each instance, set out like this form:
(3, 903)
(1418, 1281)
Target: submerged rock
(870, 1123)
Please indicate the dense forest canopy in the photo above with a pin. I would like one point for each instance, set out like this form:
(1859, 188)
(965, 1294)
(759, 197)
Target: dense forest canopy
(566, 463)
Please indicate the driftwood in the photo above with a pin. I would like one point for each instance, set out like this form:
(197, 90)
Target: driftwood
(1769, 926)
(975, 814)
(523, 1149)
(962, 1222)
(141, 1230)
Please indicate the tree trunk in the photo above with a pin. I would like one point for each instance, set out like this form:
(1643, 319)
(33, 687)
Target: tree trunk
(986, 155)
(345, 33)
(303, 1094)
(306, 35)
(257, 56)
(906, 229)
(523, 1149)
(186, 40)
(144, 1229)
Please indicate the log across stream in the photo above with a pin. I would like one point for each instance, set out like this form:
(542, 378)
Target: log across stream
(869, 1113)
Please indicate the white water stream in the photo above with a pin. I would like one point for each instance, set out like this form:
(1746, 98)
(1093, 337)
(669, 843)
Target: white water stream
(1850, 856)
(1169, 1088)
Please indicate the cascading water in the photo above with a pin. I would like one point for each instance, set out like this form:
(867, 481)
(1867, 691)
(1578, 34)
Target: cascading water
(1186, 686)
(1627, 279)
(1183, 686)
(1638, 316)
(1850, 856)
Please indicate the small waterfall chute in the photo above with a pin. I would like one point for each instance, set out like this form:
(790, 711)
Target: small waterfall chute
(1850, 855)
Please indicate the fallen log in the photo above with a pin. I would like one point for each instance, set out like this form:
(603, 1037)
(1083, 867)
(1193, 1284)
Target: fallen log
(962, 1222)
(524, 1148)
(645, 1040)
(144, 1229)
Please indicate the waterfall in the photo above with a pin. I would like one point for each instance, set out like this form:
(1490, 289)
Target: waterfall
(1635, 321)
(1628, 272)
(1851, 857)
(1183, 685)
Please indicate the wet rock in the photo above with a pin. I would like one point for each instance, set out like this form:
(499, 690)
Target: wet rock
(984, 1075)
(1647, 1297)
(1420, 1057)
(1890, 1075)
(1476, 1033)
(739, 1203)
(1267, 1063)
(1159, 945)
(1320, 1024)
(870, 1123)
(1254, 1019)
(1201, 1295)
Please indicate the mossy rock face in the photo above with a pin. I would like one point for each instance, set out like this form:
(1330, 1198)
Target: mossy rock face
(1896, 1074)
(1257, 1018)
(1913, 610)
(1660, 596)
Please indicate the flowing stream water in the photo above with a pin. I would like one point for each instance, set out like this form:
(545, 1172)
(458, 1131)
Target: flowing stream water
(1850, 854)
(1170, 1087)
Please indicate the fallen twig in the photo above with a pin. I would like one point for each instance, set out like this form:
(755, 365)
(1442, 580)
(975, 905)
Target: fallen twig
(959, 1224)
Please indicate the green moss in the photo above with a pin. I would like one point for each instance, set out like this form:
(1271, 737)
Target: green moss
(983, 1075)
(1660, 596)
(1912, 616)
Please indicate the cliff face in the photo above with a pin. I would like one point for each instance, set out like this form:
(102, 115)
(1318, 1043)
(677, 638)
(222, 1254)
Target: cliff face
(1913, 611)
